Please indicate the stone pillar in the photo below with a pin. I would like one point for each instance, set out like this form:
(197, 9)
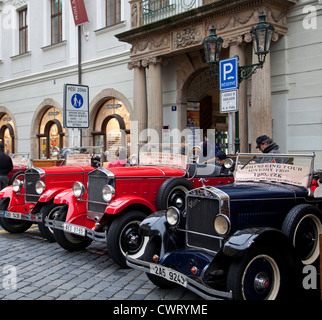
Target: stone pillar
(261, 110)
(140, 99)
(238, 48)
(155, 105)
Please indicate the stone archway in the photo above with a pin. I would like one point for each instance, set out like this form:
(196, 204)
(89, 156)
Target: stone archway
(12, 127)
(35, 124)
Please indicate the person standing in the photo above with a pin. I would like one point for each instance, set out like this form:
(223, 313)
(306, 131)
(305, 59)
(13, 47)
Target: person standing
(6, 166)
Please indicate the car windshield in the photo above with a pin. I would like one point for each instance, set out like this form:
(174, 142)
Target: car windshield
(294, 169)
(20, 159)
(170, 155)
(81, 155)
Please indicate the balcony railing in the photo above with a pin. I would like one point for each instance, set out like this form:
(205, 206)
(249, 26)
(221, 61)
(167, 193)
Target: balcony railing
(156, 10)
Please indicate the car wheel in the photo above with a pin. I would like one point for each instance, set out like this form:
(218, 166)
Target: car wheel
(302, 226)
(13, 225)
(173, 193)
(48, 211)
(259, 275)
(66, 240)
(123, 237)
(152, 248)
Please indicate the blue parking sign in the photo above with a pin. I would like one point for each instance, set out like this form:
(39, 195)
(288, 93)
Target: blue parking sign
(228, 74)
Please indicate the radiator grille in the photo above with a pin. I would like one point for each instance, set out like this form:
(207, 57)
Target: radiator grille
(31, 178)
(201, 213)
(96, 181)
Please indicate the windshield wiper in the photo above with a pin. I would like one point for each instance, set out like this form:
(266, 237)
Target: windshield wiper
(253, 158)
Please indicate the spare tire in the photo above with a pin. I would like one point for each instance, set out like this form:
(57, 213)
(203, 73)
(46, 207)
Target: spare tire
(173, 193)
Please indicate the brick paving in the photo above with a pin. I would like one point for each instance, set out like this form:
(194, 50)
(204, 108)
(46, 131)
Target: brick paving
(45, 271)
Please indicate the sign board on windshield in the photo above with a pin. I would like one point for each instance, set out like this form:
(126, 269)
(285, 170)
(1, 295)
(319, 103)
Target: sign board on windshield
(76, 106)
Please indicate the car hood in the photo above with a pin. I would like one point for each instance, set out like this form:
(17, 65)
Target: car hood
(149, 172)
(63, 170)
(257, 190)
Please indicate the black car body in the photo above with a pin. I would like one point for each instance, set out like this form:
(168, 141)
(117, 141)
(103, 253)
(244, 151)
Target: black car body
(246, 240)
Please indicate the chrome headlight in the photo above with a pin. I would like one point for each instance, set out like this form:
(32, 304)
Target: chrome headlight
(17, 185)
(78, 189)
(222, 224)
(228, 163)
(108, 192)
(134, 159)
(40, 187)
(173, 216)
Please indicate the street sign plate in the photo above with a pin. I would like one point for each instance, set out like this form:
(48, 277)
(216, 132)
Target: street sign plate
(228, 74)
(76, 106)
(229, 101)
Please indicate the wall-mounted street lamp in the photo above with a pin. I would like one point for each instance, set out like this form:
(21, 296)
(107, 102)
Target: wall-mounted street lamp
(261, 35)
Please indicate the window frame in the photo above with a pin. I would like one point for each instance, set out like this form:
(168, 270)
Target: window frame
(23, 30)
(116, 17)
(53, 26)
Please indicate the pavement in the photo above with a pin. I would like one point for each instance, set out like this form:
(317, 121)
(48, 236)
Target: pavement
(31, 268)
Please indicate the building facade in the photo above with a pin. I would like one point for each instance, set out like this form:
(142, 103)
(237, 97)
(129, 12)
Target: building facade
(147, 76)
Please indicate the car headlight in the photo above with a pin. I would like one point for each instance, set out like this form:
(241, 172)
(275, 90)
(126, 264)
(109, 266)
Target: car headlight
(173, 216)
(78, 189)
(40, 187)
(134, 159)
(108, 192)
(17, 185)
(222, 224)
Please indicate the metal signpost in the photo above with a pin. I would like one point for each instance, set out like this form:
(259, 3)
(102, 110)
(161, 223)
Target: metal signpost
(228, 84)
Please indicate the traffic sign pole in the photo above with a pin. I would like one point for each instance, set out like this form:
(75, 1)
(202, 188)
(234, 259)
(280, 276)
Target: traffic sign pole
(228, 84)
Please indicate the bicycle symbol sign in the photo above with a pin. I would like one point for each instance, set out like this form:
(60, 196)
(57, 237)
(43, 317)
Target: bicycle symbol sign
(77, 101)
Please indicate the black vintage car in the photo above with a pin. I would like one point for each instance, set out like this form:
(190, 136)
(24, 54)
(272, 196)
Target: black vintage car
(247, 240)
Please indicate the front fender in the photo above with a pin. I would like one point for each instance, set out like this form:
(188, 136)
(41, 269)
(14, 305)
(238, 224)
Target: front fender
(14, 198)
(50, 194)
(76, 206)
(156, 225)
(121, 203)
(242, 240)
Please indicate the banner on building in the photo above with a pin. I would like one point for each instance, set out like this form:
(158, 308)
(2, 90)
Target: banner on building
(79, 12)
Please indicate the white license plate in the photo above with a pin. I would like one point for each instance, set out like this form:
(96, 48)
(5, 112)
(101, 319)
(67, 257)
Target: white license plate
(71, 228)
(12, 215)
(168, 274)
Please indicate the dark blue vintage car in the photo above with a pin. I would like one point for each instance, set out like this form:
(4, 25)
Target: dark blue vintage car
(245, 241)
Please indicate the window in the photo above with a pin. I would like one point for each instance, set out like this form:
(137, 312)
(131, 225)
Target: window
(113, 12)
(23, 31)
(51, 133)
(56, 21)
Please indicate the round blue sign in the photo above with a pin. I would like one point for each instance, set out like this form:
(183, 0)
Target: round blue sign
(77, 101)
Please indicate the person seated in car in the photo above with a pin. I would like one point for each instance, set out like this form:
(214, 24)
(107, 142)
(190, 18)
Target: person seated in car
(220, 161)
(266, 145)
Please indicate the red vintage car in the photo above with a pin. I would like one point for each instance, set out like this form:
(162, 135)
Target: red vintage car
(116, 200)
(20, 163)
(30, 201)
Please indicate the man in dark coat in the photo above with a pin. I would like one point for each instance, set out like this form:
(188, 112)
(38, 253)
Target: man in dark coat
(5, 167)
(266, 145)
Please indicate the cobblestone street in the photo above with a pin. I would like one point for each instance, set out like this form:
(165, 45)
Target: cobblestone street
(45, 271)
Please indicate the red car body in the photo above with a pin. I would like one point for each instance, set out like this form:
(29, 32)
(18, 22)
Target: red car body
(137, 192)
(26, 206)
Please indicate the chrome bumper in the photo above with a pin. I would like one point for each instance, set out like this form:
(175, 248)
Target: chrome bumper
(198, 288)
(89, 233)
(36, 218)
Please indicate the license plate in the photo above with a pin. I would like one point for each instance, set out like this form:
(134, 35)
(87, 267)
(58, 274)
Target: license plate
(168, 274)
(71, 228)
(12, 215)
